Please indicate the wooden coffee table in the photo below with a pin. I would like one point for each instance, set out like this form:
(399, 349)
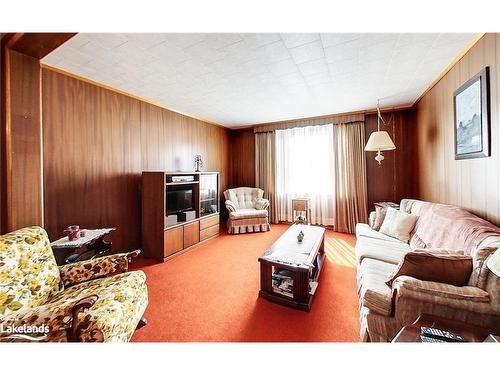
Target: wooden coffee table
(302, 261)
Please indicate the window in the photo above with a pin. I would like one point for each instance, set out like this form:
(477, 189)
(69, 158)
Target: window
(305, 168)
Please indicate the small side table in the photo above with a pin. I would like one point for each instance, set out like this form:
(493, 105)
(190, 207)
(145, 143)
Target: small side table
(302, 205)
(471, 333)
(91, 246)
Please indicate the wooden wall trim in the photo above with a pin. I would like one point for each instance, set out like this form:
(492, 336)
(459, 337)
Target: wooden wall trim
(23, 129)
(6, 160)
(110, 88)
(38, 45)
(473, 184)
(96, 144)
(455, 61)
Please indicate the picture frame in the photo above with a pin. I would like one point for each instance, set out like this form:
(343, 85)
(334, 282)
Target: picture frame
(471, 107)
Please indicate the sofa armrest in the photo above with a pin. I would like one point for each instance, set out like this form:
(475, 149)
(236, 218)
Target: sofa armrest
(56, 321)
(86, 270)
(262, 204)
(231, 207)
(413, 297)
(406, 285)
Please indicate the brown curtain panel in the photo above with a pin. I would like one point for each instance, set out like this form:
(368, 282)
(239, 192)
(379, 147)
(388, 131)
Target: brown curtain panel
(265, 169)
(351, 204)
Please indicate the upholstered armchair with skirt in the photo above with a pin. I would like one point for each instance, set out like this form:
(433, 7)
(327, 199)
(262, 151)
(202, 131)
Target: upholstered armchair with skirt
(247, 210)
(94, 300)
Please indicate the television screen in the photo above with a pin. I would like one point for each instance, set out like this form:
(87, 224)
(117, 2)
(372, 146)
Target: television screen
(179, 200)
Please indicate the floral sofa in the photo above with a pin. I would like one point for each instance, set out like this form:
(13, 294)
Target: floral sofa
(94, 300)
(439, 229)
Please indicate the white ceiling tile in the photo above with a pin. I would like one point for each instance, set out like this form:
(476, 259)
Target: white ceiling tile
(294, 40)
(332, 39)
(108, 40)
(344, 51)
(273, 52)
(283, 67)
(258, 40)
(307, 52)
(318, 78)
(349, 66)
(382, 50)
(240, 79)
(370, 39)
(412, 38)
(313, 67)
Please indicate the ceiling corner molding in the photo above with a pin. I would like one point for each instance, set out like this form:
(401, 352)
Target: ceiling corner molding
(132, 96)
(38, 45)
(455, 61)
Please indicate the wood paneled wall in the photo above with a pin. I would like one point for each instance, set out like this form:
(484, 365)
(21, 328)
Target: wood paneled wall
(473, 183)
(96, 144)
(395, 178)
(242, 157)
(22, 164)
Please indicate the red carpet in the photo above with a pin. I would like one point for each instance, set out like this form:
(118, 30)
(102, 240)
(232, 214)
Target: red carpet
(211, 294)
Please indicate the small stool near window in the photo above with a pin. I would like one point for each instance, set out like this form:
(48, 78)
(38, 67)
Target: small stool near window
(299, 206)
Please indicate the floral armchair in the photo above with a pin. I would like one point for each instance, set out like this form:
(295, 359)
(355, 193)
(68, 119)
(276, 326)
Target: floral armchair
(247, 210)
(94, 300)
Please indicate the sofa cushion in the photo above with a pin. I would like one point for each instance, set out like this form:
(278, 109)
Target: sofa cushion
(388, 251)
(398, 224)
(453, 269)
(245, 213)
(365, 230)
(373, 291)
(379, 217)
(29, 275)
(244, 197)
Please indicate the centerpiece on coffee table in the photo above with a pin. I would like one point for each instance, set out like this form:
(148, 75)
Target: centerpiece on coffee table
(290, 270)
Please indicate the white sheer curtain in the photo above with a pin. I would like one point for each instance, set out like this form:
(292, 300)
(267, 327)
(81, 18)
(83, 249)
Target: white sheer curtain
(305, 168)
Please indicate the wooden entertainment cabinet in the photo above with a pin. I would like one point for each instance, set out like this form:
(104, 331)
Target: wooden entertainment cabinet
(191, 196)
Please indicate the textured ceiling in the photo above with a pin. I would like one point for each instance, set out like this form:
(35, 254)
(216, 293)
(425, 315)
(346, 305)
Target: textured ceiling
(241, 79)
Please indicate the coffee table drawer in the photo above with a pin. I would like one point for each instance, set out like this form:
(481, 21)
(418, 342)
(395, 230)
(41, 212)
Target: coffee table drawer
(209, 221)
(209, 232)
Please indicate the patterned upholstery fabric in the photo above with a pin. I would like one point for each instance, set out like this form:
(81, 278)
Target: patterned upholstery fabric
(480, 271)
(383, 312)
(247, 210)
(75, 273)
(122, 298)
(29, 276)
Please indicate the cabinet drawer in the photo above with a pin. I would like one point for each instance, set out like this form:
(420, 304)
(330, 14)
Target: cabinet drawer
(209, 232)
(173, 241)
(191, 233)
(209, 221)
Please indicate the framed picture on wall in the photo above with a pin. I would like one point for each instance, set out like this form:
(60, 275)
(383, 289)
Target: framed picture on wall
(471, 104)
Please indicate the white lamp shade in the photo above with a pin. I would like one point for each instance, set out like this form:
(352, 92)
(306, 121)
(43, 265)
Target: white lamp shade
(379, 141)
(494, 263)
